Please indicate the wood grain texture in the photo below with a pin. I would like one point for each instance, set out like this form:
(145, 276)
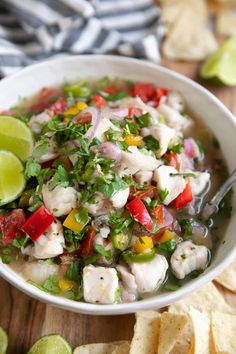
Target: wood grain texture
(25, 319)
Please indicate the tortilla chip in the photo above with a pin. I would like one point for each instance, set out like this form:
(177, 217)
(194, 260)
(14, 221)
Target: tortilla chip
(98, 348)
(172, 10)
(227, 2)
(183, 343)
(146, 329)
(201, 330)
(206, 299)
(228, 277)
(214, 7)
(189, 39)
(171, 327)
(223, 330)
(226, 23)
(122, 348)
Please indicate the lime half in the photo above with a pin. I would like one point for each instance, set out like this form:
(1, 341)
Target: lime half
(220, 67)
(15, 136)
(3, 341)
(52, 344)
(12, 180)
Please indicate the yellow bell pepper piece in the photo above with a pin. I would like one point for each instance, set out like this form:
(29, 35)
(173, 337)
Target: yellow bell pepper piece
(167, 236)
(71, 223)
(143, 243)
(65, 285)
(80, 106)
(133, 140)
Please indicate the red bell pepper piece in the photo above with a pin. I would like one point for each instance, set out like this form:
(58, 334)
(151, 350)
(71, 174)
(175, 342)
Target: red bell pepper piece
(158, 213)
(10, 225)
(145, 91)
(59, 106)
(160, 92)
(184, 198)
(87, 243)
(99, 101)
(172, 160)
(38, 223)
(140, 213)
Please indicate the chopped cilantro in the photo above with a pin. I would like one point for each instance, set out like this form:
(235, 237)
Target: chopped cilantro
(163, 193)
(177, 148)
(32, 168)
(74, 294)
(61, 178)
(5, 255)
(151, 143)
(168, 246)
(143, 121)
(74, 272)
(116, 96)
(51, 285)
(186, 227)
(82, 217)
(105, 253)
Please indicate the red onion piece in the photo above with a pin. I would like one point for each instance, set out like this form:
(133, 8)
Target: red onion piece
(110, 150)
(95, 121)
(114, 113)
(168, 218)
(189, 147)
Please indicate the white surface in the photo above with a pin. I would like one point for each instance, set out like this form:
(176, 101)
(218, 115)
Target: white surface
(202, 104)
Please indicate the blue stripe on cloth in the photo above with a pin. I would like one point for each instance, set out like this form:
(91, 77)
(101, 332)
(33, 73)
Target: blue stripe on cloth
(32, 30)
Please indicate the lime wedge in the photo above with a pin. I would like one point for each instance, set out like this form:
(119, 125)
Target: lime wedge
(3, 341)
(15, 136)
(220, 67)
(52, 344)
(12, 181)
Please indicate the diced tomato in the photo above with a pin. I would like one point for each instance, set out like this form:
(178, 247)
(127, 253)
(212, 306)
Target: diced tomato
(83, 118)
(160, 92)
(145, 91)
(134, 112)
(140, 213)
(158, 213)
(38, 223)
(43, 103)
(149, 192)
(87, 243)
(99, 101)
(184, 198)
(111, 89)
(10, 225)
(172, 160)
(59, 106)
(47, 93)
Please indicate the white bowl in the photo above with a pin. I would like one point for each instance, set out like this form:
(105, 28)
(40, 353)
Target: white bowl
(201, 103)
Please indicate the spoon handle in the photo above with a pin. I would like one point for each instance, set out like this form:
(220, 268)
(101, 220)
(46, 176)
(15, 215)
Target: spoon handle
(213, 206)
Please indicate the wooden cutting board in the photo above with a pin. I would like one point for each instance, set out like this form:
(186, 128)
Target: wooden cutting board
(25, 319)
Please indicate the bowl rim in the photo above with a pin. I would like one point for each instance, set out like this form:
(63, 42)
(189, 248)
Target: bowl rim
(159, 300)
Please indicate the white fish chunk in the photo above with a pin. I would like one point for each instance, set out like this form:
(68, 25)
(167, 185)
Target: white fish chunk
(100, 284)
(188, 257)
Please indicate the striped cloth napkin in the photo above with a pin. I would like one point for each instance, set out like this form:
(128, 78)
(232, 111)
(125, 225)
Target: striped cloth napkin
(33, 30)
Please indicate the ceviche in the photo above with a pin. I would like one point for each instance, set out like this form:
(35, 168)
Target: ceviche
(114, 183)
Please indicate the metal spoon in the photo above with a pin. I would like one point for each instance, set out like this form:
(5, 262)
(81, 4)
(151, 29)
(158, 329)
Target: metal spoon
(212, 207)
